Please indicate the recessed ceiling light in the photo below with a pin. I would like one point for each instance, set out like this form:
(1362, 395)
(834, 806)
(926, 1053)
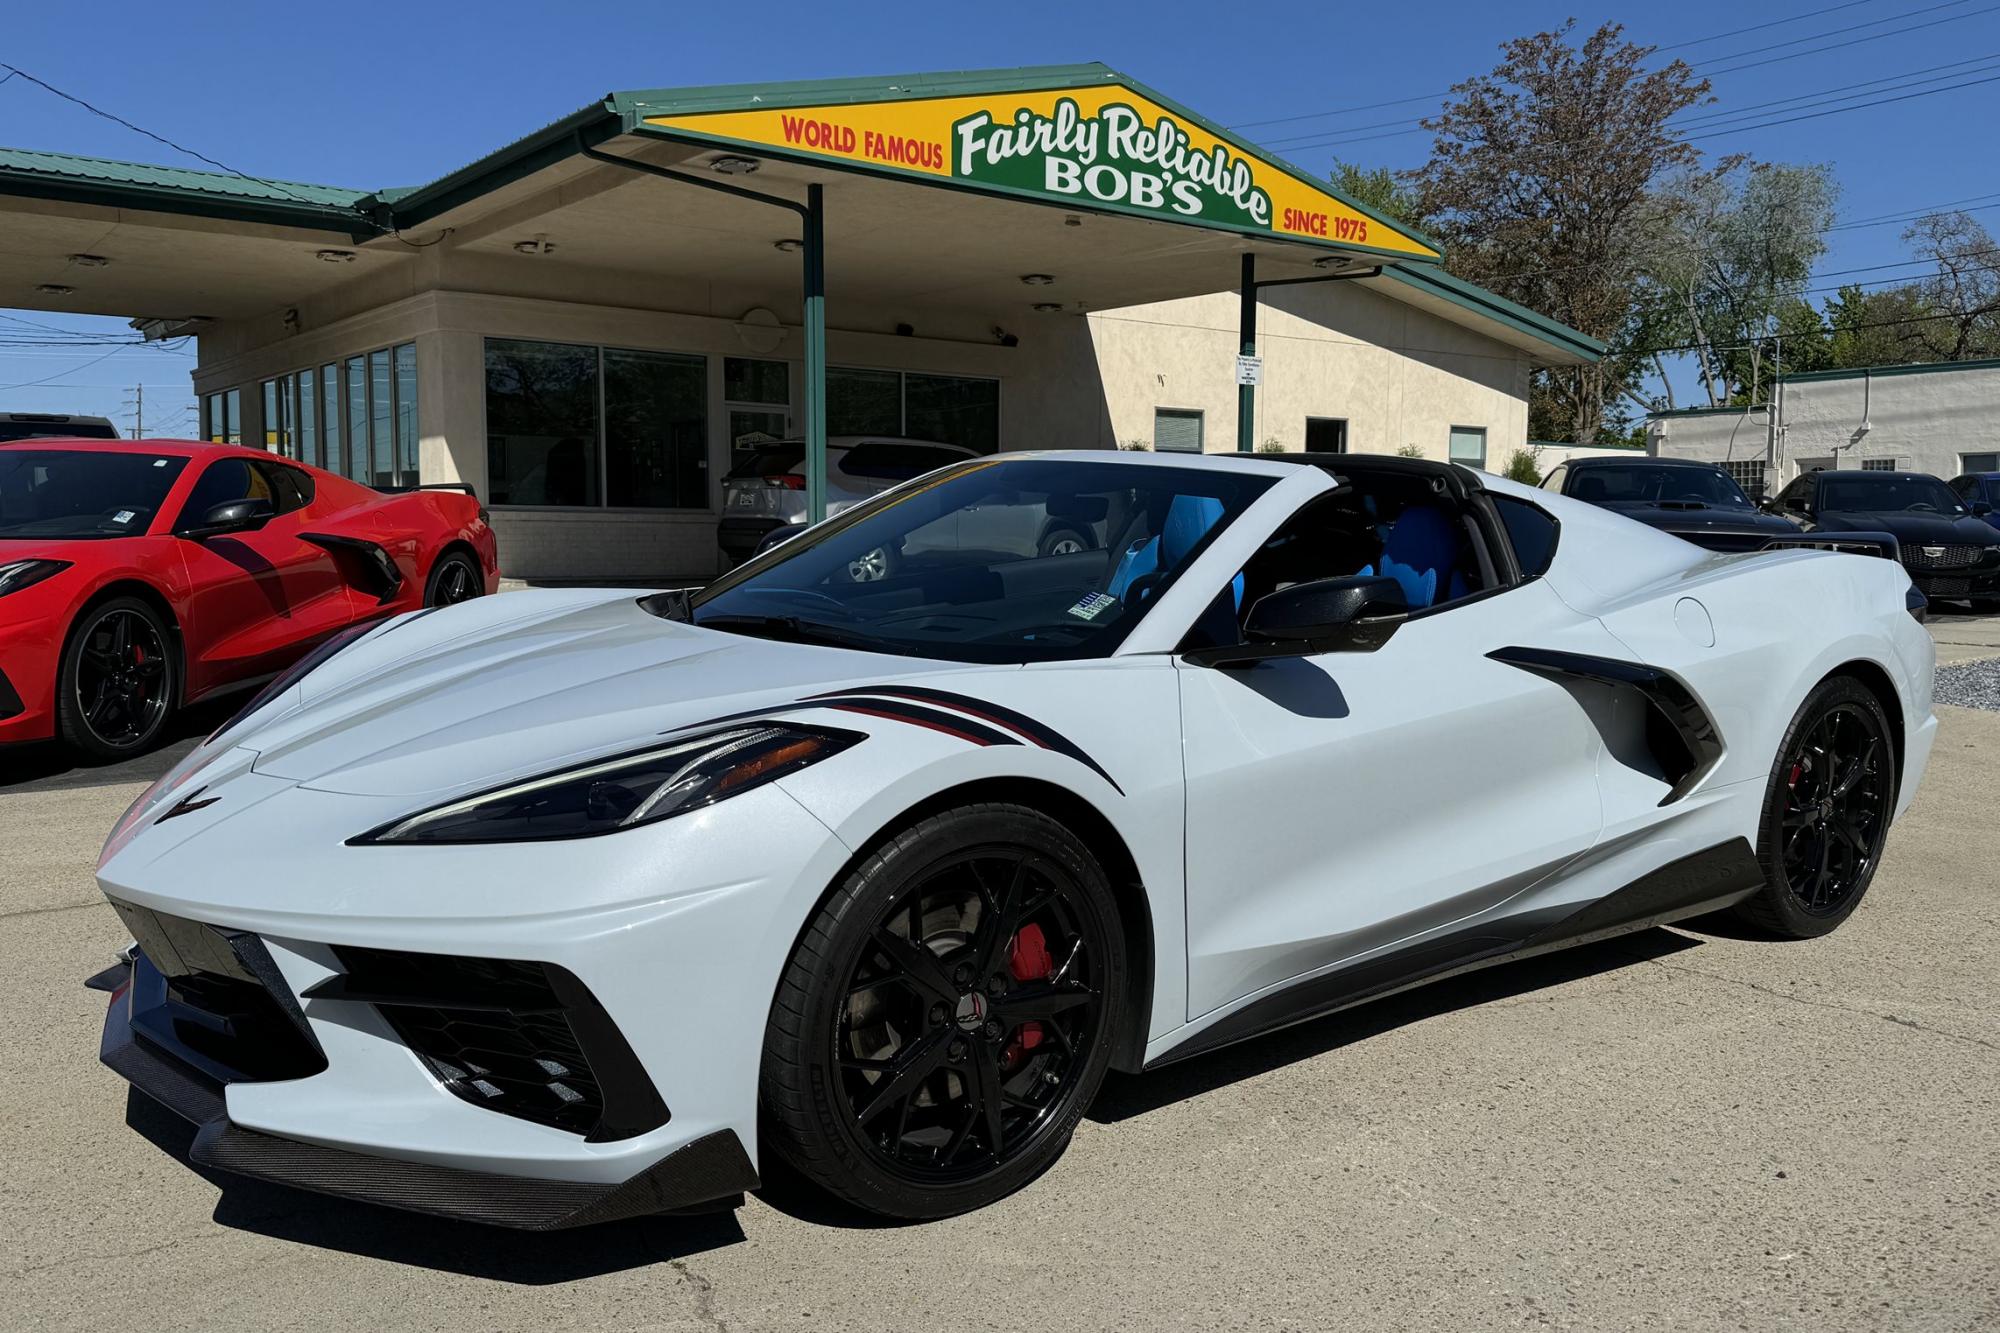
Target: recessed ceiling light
(540, 245)
(789, 245)
(53, 289)
(1048, 307)
(1037, 279)
(335, 256)
(89, 261)
(731, 165)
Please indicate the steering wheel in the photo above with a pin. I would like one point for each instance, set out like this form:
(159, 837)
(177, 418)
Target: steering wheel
(817, 596)
(1140, 589)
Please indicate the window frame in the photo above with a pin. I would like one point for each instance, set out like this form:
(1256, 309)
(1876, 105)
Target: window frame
(1484, 441)
(1195, 414)
(1965, 463)
(1339, 422)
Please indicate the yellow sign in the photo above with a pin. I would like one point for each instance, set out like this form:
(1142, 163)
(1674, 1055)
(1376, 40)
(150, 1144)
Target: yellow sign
(1099, 146)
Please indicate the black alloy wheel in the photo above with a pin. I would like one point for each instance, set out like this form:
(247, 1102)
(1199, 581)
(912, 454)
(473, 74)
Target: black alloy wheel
(454, 579)
(951, 1010)
(119, 680)
(1832, 793)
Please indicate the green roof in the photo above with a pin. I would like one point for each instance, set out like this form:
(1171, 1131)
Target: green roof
(1435, 281)
(1919, 368)
(365, 214)
(1738, 410)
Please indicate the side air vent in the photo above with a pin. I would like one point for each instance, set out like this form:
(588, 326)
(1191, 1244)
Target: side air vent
(1679, 732)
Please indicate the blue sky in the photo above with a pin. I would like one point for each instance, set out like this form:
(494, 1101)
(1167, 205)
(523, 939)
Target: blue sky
(397, 95)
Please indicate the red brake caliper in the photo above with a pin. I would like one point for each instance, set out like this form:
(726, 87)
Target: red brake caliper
(1027, 960)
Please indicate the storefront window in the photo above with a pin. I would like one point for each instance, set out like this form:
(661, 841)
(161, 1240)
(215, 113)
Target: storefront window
(308, 436)
(381, 420)
(329, 392)
(952, 410)
(655, 430)
(222, 417)
(864, 402)
(756, 394)
(541, 423)
(357, 418)
(1176, 430)
(406, 412)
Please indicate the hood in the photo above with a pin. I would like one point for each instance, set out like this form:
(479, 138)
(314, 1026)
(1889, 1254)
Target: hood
(507, 687)
(1915, 529)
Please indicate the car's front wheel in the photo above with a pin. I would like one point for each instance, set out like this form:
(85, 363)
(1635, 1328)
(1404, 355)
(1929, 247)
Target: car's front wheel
(947, 1014)
(119, 680)
(1826, 812)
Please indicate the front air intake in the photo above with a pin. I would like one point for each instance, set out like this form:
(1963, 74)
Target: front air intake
(523, 1039)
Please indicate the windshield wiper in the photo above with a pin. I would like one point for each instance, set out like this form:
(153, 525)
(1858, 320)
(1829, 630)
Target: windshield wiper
(789, 629)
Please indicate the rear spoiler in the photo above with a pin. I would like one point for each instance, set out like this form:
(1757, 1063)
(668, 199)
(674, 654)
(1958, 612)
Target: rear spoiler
(1881, 544)
(462, 487)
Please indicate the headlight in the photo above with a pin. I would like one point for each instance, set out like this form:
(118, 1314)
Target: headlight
(623, 791)
(18, 574)
(298, 671)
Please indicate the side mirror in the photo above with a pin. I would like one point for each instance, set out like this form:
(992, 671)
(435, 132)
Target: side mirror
(1981, 508)
(232, 516)
(1352, 615)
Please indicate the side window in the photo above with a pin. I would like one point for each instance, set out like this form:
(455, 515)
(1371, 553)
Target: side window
(1531, 532)
(224, 480)
(290, 489)
(1554, 481)
(1793, 498)
(889, 460)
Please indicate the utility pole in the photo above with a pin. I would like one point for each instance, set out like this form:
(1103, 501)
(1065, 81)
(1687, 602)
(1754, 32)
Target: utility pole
(138, 410)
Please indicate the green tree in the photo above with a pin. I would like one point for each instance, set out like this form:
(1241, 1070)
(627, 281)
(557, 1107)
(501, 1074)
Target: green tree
(1539, 173)
(1885, 327)
(1379, 189)
(1732, 247)
(1524, 466)
(1964, 288)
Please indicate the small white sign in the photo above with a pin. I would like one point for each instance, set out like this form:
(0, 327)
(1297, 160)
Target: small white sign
(1250, 370)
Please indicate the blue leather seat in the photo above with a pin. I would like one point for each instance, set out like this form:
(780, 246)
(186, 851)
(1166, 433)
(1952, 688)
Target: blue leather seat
(1189, 518)
(1421, 553)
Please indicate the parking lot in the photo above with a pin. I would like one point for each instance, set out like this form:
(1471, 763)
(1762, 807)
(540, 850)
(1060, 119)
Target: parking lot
(1681, 1129)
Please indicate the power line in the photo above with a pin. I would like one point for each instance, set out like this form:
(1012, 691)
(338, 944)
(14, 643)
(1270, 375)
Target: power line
(1861, 106)
(1694, 41)
(14, 72)
(1815, 96)
(29, 384)
(1350, 135)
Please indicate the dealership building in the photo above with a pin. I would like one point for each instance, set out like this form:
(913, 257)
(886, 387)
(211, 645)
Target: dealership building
(1941, 418)
(591, 326)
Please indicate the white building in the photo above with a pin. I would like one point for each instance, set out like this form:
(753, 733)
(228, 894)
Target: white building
(1943, 419)
(590, 324)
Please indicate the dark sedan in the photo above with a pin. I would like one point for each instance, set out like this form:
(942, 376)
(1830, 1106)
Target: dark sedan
(1952, 554)
(1696, 501)
(1981, 493)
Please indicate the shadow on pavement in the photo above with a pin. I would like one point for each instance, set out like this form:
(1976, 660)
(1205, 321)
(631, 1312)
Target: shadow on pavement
(1126, 1095)
(53, 766)
(526, 1258)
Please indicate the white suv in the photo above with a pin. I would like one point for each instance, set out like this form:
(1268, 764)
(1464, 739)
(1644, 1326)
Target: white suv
(767, 490)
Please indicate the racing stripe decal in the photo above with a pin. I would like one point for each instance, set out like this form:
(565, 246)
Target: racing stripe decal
(1036, 732)
(937, 719)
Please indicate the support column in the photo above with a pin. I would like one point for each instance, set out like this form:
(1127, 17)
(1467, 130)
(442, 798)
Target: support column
(815, 318)
(1246, 394)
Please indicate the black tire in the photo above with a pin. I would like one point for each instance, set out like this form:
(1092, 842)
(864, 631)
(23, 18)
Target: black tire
(119, 681)
(454, 578)
(1066, 539)
(876, 1092)
(1826, 812)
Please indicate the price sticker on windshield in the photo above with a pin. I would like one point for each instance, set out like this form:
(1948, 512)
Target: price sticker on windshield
(1092, 605)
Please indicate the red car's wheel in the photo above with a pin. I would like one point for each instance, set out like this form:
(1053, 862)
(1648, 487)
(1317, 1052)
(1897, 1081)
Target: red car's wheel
(120, 680)
(454, 579)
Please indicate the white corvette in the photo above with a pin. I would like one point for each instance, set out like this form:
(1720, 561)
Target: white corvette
(565, 905)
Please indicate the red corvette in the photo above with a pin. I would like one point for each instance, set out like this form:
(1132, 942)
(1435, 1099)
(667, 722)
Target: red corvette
(140, 575)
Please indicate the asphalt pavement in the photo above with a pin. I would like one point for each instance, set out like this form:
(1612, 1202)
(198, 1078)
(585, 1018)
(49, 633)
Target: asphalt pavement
(1685, 1129)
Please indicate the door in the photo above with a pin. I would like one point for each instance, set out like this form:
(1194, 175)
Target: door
(256, 599)
(1345, 806)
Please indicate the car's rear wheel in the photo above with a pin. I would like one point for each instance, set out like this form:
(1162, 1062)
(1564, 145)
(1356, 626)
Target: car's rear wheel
(1063, 539)
(1832, 792)
(119, 681)
(454, 579)
(947, 1015)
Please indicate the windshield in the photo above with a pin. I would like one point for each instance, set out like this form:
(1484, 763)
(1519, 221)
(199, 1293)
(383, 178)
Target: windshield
(81, 493)
(998, 560)
(1888, 493)
(1639, 483)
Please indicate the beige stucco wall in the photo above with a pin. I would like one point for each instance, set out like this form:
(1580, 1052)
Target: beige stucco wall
(1398, 375)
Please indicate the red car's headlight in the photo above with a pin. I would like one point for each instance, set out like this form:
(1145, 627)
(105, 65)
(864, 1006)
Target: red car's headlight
(18, 574)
